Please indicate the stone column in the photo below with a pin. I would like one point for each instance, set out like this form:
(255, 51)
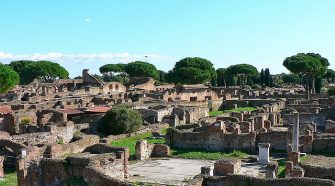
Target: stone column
(264, 153)
(141, 150)
(295, 133)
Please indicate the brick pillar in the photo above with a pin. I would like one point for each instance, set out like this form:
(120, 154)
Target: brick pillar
(252, 124)
(294, 157)
(288, 168)
(259, 122)
(308, 141)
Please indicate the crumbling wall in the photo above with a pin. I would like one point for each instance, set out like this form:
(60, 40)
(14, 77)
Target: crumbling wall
(55, 116)
(58, 150)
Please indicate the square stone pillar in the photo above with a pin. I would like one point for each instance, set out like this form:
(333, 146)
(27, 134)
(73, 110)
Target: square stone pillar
(264, 153)
(295, 133)
(141, 150)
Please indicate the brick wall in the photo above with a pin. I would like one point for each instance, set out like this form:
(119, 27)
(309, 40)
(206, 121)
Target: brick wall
(241, 180)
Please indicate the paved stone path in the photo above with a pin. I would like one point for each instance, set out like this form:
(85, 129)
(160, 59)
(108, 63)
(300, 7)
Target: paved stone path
(169, 171)
(178, 171)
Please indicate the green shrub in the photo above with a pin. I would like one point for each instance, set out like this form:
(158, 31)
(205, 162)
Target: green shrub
(26, 120)
(120, 121)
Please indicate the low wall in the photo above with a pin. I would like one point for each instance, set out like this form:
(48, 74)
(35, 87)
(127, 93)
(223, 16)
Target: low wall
(324, 145)
(318, 172)
(241, 180)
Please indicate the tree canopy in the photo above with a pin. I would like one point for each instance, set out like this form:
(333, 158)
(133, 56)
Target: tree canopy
(310, 65)
(291, 79)
(22, 68)
(330, 75)
(192, 70)
(8, 78)
(141, 69)
(244, 73)
(47, 71)
(110, 69)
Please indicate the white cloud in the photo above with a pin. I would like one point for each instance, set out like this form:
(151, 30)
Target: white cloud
(75, 63)
(87, 19)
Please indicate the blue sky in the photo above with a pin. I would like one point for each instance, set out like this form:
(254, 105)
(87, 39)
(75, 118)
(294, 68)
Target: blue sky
(87, 34)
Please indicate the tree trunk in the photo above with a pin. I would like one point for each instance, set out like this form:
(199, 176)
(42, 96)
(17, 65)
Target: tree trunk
(313, 84)
(307, 86)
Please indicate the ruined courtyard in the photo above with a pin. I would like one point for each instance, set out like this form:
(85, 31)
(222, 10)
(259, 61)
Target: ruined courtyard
(192, 135)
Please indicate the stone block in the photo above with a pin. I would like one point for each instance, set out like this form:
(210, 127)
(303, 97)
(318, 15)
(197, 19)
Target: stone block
(264, 153)
(227, 166)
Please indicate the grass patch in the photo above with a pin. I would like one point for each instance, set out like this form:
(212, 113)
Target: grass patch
(200, 154)
(215, 113)
(240, 109)
(281, 168)
(10, 177)
(303, 159)
(130, 142)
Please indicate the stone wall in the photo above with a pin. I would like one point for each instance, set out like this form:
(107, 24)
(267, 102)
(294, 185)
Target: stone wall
(58, 150)
(306, 118)
(241, 180)
(324, 144)
(277, 139)
(211, 140)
